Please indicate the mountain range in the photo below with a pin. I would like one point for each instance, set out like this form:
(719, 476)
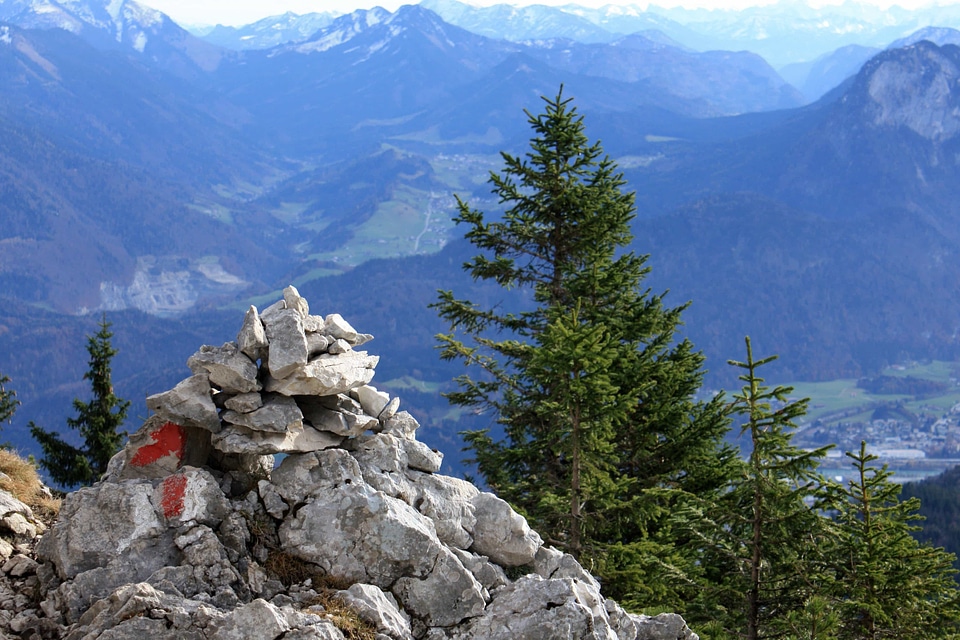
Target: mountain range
(167, 181)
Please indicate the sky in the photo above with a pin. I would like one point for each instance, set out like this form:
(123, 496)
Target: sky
(240, 12)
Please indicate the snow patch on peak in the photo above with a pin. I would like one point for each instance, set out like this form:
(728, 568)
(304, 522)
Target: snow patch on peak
(344, 30)
(5, 35)
(143, 16)
(113, 8)
(140, 41)
(57, 17)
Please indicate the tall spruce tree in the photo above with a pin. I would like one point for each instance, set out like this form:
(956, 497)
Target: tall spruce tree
(98, 422)
(765, 576)
(594, 395)
(887, 584)
(8, 400)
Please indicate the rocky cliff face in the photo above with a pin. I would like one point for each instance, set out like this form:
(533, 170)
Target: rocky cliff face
(197, 532)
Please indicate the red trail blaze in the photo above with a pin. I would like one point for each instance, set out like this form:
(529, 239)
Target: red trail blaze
(171, 495)
(170, 439)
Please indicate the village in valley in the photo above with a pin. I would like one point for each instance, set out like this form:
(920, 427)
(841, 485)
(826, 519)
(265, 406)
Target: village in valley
(909, 416)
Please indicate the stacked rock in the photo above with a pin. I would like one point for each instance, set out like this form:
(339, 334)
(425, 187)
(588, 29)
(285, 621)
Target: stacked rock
(182, 537)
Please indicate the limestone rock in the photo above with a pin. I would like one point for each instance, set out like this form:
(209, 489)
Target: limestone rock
(313, 324)
(666, 626)
(489, 575)
(227, 367)
(344, 423)
(158, 449)
(10, 506)
(278, 414)
(327, 375)
(190, 496)
(421, 457)
(239, 440)
(536, 609)
(98, 524)
(317, 343)
(379, 609)
(373, 402)
(401, 425)
(287, 352)
(189, 404)
(448, 502)
(302, 475)
(339, 346)
(334, 325)
(252, 338)
(293, 300)
(502, 534)
(446, 597)
(259, 619)
(244, 402)
(552, 563)
(362, 535)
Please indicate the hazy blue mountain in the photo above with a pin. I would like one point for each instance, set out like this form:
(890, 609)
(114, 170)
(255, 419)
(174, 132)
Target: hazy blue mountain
(817, 77)
(269, 32)
(123, 24)
(936, 35)
(788, 32)
(573, 22)
(59, 85)
(519, 24)
(728, 82)
(367, 73)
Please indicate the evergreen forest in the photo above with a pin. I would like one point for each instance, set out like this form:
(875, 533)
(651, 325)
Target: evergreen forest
(600, 441)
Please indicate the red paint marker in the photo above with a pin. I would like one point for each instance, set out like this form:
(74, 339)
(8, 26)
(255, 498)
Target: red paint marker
(170, 439)
(171, 495)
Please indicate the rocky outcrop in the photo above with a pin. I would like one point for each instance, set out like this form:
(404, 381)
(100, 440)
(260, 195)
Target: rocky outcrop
(274, 488)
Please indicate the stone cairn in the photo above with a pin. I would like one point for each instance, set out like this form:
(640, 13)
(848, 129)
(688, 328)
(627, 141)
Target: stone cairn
(182, 537)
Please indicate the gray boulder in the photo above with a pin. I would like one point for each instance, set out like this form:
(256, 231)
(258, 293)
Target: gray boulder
(227, 367)
(502, 534)
(278, 414)
(287, 351)
(379, 609)
(362, 535)
(536, 609)
(447, 596)
(190, 404)
(252, 338)
(326, 375)
(242, 441)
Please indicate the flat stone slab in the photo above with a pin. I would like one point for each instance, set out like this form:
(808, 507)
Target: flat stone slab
(326, 375)
(234, 439)
(278, 414)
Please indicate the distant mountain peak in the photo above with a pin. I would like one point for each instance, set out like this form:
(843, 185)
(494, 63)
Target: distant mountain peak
(917, 87)
(343, 29)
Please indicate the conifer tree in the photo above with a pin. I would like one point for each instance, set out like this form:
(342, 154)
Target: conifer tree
(97, 421)
(594, 396)
(887, 584)
(8, 400)
(765, 576)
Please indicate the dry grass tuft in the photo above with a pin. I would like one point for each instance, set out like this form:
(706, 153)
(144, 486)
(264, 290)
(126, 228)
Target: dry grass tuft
(289, 570)
(345, 618)
(20, 478)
